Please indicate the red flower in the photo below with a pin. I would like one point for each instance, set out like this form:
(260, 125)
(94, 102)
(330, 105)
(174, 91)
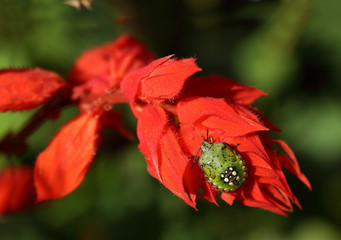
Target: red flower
(93, 85)
(101, 69)
(174, 110)
(27, 88)
(16, 189)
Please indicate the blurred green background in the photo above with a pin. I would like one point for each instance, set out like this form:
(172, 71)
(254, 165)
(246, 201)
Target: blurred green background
(290, 49)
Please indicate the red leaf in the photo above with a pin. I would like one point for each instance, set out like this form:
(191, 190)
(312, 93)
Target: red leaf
(61, 167)
(221, 87)
(161, 79)
(27, 88)
(214, 113)
(104, 67)
(16, 189)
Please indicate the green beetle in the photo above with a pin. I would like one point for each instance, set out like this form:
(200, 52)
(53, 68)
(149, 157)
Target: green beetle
(223, 167)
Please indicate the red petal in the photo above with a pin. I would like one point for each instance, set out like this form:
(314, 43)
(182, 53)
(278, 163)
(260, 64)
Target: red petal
(166, 160)
(27, 88)
(228, 197)
(161, 79)
(212, 113)
(253, 196)
(16, 189)
(104, 67)
(290, 163)
(264, 171)
(254, 148)
(282, 183)
(190, 137)
(279, 197)
(167, 79)
(266, 186)
(193, 179)
(259, 204)
(209, 194)
(61, 167)
(150, 125)
(265, 121)
(173, 168)
(130, 83)
(221, 87)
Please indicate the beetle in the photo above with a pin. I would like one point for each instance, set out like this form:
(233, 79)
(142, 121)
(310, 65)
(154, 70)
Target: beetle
(222, 165)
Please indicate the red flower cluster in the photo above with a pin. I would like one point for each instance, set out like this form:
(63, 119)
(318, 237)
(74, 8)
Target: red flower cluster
(93, 85)
(173, 110)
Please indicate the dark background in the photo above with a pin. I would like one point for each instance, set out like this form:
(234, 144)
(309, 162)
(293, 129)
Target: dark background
(290, 49)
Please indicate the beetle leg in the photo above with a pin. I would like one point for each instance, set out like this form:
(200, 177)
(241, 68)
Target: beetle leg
(195, 158)
(233, 146)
